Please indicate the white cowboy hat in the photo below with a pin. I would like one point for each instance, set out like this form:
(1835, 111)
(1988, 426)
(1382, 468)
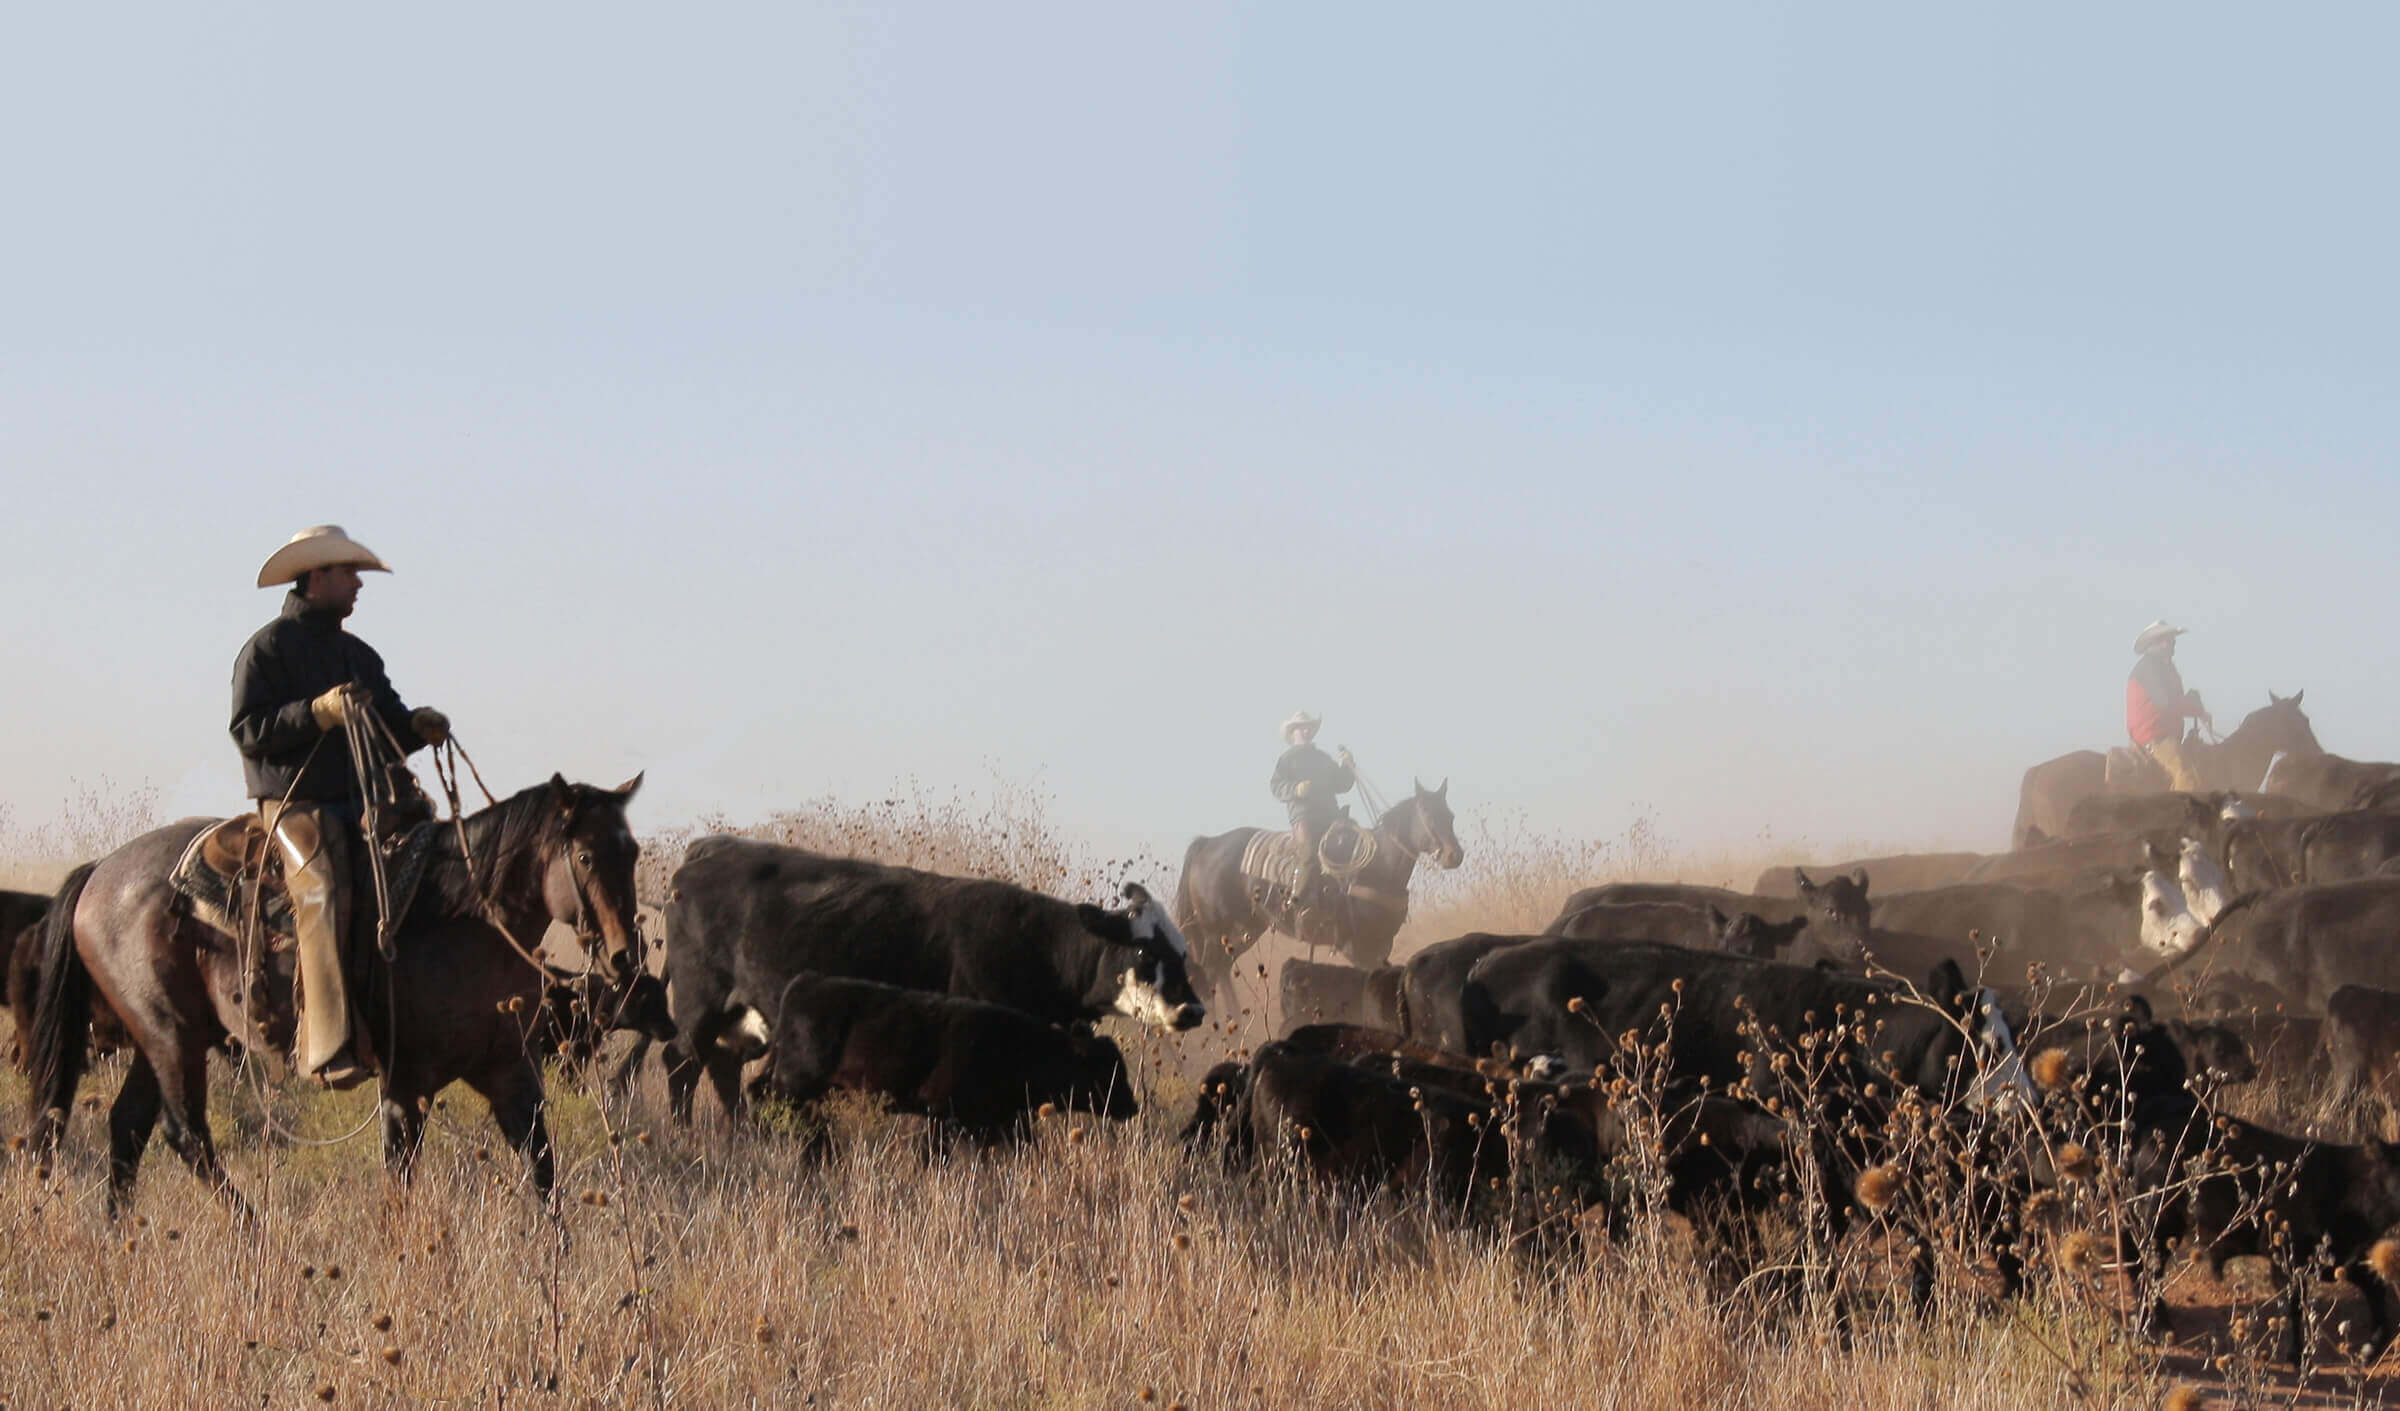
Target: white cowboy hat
(2154, 634)
(323, 546)
(1301, 720)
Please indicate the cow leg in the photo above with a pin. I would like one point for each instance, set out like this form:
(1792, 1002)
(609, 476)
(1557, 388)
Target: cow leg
(683, 1079)
(2295, 1310)
(403, 1134)
(131, 1119)
(515, 1093)
(725, 1075)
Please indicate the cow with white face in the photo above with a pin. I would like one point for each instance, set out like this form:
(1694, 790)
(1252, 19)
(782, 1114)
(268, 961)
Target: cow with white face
(2168, 925)
(745, 917)
(2205, 888)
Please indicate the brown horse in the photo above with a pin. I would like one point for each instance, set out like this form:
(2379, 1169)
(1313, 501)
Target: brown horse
(1222, 913)
(2238, 763)
(456, 1003)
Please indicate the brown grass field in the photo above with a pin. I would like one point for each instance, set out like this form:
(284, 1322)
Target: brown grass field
(1090, 1267)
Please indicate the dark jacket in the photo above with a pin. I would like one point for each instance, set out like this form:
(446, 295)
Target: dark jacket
(1325, 776)
(289, 662)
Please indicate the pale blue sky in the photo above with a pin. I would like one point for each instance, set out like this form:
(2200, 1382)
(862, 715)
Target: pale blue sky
(1774, 417)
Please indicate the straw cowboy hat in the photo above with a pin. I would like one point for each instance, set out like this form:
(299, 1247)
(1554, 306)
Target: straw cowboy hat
(1301, 720)
(324, 546)
(2154, 634)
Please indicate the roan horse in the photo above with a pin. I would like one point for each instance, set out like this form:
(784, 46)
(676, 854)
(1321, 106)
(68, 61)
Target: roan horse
(2238, 762)
(457, 1002)
(1222, 912)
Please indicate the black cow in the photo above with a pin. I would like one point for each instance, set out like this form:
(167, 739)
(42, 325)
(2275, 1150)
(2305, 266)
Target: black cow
(579, 1012)
(1837, 909)
(1575, 998)
(2290, 852)
(1433, 979)
(2235, 1182)
(1900, 872)
(2298, 945)
(974, 1068)
(1311, 992)
(1675, 924)
(1360, 1128)
(745, 917)
(2097, 929)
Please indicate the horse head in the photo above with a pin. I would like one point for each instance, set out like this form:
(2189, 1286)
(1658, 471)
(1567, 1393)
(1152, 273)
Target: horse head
(1429, 829)
(587, 857)
(2279, 725)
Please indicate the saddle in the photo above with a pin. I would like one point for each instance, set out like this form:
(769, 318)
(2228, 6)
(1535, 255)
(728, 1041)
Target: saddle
(232, 877)
(2132, 771)
(1273, 858)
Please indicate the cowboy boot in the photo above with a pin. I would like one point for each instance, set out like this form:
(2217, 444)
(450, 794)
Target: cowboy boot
(324, 1001)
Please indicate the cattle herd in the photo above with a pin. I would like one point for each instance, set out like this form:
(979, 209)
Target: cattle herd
(1949, 1052)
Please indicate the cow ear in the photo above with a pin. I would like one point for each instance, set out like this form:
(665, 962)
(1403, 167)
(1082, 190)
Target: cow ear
(1717, 920)
(2138, 1010)
(1800, 879)
(1858, 878)
(1947, 984)
(1137, 895)
(1092, 917)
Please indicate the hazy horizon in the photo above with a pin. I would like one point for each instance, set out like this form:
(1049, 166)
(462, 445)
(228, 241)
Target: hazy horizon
(1770, 421)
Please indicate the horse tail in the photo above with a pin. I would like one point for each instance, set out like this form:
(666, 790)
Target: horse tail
(62, 1015)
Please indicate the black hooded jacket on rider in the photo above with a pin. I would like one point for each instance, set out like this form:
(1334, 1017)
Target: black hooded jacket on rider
(286, 664)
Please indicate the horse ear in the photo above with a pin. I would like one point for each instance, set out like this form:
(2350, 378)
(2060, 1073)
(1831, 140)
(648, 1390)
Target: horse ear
(2273, 699)
(1415, 785)
(629, 788)
(562, 793)
(1858, 878)
(1443, 792)
(2296, 695)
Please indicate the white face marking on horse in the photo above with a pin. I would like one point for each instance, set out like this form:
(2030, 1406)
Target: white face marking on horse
(748, 1036)
(2168, 925)
(1139, 1000)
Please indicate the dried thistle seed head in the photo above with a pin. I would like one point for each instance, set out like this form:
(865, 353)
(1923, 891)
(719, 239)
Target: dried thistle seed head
(1075, 1135)
(1182, 1241)
(1046, 1110)
(2183, 1398)
(1879, 1186)
(1575, 1005)
(2079, 1253)
(2074, 1163)
(391, 1354)
(2051, 1069)
(383, 1322)
(2384, 1259)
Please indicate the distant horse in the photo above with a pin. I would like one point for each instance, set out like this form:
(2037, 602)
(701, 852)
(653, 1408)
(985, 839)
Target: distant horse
(2238, 763)
(1222, 912)
(458, 1001)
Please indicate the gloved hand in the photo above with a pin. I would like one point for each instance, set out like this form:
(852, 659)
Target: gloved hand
(1345, 758)
(1300, 790)
(331, 710)
(431, 725)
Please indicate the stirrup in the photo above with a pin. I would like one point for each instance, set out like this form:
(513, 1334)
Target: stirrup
(341, 1072)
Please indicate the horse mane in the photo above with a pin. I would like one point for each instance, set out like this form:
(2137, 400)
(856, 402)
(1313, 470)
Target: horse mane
(510, 840)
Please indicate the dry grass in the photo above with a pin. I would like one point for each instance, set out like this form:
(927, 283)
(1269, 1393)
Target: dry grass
(717, 1268)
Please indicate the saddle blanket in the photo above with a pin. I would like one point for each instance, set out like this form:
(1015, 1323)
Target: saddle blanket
(222, 867)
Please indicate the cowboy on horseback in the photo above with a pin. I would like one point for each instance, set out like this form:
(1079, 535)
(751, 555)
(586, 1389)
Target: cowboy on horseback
(300, 684)
(1307, 782)
(2156, 705)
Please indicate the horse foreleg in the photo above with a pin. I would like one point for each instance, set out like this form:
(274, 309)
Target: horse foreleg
(403, 1134)
(515, 1094)
(183, 1085)
(131, 1118)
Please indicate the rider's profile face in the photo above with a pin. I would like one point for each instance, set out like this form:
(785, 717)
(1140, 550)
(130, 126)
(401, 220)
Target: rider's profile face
(1304, 734)
(335, 587)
